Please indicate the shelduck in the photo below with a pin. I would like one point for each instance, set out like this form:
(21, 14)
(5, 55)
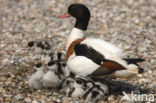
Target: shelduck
(93, 56)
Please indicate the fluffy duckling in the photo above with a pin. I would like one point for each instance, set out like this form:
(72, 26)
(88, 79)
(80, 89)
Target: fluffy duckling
(65, 87)
(52, 78)
(34, 47)
(35, 79)
(76, 87)
(47, 57)
(97, 92)
(56, 71)
(41, 47)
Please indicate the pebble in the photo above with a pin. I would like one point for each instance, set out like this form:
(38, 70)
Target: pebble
(143, 80)
(111, 98)
(154, 85)
(2, 79)
(35, 101)
(19, 97)
(28, 100)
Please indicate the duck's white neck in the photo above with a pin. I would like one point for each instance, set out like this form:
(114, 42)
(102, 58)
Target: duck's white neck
(74, 35)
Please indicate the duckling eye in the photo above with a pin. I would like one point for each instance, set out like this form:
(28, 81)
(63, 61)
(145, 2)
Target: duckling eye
(95, 93)
(51, 63)
(38, 65)
(85, 86)
(79, 81)
(68, 82)
(51, 54)
(64, 64)
(31, 43)
(39, 44)
(97, 86)
(47, 48)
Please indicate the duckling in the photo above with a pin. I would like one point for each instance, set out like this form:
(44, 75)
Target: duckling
(65, 86)
(52, 78)
(79, 87)
(97, 92)
(34, 81)
(42, 47)
(34, 47)
(76, 89)
(47, 57)
(55, 74)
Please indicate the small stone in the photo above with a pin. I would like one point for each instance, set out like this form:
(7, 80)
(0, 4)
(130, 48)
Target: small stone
(1, 83)
(5, 61)
(111, 98)
(154, 85)
(8, 99)
(76, 102)
(28, 100)
(143, 80)
(154, 68)
(140, 75)
(35, 101)
(19, 97)
(149, 71)
(2, 79)
(136, 21)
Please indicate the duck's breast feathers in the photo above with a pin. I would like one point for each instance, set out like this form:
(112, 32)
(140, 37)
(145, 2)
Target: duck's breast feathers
(70, 49)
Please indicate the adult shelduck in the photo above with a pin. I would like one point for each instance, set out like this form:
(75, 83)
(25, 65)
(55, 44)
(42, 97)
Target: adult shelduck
(92, 56)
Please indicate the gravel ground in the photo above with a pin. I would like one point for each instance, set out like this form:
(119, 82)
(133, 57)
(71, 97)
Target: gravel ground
(130, 24)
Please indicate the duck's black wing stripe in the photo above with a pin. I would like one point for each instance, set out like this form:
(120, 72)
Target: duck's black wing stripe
(96, 57)
(133, 60)
(84, 50)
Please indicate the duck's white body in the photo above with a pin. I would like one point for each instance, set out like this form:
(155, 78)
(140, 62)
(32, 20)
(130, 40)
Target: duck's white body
(81, 65)
(94, 42)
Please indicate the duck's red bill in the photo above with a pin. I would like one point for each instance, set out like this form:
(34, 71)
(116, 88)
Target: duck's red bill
(64, 15)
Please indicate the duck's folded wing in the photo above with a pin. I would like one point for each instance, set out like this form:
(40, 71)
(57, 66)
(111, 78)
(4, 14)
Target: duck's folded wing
(108, 66)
